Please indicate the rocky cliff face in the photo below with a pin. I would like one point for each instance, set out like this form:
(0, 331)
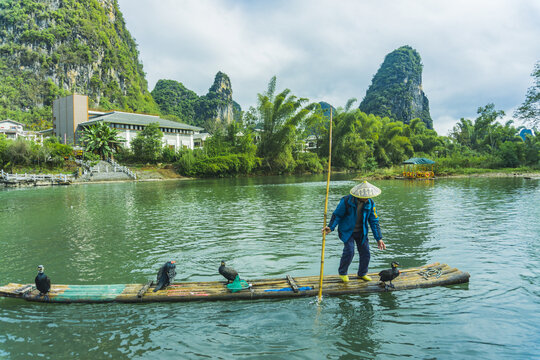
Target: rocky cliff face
(50, 48)
(396, 89)
(222, 90)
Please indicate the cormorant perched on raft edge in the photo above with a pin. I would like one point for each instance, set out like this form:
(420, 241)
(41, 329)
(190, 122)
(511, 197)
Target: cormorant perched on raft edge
(43, 283)
(166, 275)
(228, 273)
(389, 275)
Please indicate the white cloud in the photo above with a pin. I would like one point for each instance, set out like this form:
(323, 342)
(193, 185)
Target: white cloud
(473, 52)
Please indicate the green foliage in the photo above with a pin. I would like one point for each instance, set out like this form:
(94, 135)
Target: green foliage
(216, 166)
(463, 161)
(394, 88)
(147, 145)
(529, 111)
(186, 159)
(41, 42)
(168, 155)
(101, 139)
(353, 138)
(280, 116)
(308, 163)
(175, 99)
(23, 153)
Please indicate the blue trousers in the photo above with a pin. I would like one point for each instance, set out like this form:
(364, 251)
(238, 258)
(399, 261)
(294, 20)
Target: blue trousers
(348, 254)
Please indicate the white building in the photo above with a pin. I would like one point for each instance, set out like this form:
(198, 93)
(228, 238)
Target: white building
(71, 116)
(175, 135)
(13, 130)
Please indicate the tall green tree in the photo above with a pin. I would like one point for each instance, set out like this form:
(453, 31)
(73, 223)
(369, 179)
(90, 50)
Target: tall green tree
(484, 127)
(529, 111)
(423, 140)
(280, 116)
(354, 138)
(101, 139)
(463, 133)
(392, 147)
(147, 144)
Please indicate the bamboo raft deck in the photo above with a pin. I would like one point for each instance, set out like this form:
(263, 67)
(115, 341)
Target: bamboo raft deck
(422, 277)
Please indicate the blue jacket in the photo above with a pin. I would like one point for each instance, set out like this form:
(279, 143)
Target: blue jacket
(346, 219)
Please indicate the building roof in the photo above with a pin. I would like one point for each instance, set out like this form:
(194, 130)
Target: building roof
(418, 161)
(11, 121)
(119, 117)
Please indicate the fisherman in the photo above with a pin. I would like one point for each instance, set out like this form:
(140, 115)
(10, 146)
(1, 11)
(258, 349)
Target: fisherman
(352, 216)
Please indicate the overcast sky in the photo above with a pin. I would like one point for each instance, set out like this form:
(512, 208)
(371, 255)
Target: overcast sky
(473, 52)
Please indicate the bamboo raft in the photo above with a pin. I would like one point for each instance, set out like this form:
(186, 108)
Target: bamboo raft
(422, 277)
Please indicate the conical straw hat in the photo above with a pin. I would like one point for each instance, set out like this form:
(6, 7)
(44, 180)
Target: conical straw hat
(365, 190)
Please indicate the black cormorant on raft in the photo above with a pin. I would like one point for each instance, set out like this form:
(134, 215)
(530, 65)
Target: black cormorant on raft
(389, 275)
(165, 275)
(43, 283)
(284, 287)
(228, 273)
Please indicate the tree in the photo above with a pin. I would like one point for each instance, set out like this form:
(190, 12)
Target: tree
(529, 111)
(280, 116)
(354, 137)
(101, 139)
(392, 147)
(147, 145)
(423, 140)
(484, 126)
(462, 132)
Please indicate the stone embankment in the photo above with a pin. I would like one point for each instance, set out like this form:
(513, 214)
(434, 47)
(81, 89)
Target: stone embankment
(88, 172)
(104, 171)
(25, 180)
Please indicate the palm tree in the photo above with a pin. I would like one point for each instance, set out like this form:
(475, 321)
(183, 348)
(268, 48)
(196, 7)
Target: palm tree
(280, 116)
(101, 139)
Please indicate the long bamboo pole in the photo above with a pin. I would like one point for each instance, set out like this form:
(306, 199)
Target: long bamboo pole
(325, 209)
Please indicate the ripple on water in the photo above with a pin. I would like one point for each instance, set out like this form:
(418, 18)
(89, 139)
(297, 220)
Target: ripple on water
(122, 233)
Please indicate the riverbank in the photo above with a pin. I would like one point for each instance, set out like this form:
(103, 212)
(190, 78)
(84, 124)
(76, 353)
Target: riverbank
(166, 173)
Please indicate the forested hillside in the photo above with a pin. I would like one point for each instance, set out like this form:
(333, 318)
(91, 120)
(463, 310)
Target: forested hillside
(215, 109)
(50, 48)
(396, 89)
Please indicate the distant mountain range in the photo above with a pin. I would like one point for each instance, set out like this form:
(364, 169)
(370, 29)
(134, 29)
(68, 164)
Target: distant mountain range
(52, 48)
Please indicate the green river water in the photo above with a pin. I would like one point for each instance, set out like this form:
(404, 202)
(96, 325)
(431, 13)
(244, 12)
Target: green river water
(121, 233)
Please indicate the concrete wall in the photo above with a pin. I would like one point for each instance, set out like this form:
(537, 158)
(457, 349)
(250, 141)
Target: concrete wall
(68, 112)
(177, 141)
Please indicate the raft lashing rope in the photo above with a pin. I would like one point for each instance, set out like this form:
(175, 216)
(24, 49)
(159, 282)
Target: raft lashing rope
(426, 274)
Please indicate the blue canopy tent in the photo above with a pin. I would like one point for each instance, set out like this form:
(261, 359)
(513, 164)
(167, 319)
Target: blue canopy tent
(418, 168)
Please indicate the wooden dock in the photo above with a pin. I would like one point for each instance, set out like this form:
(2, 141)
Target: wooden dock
(422, 277)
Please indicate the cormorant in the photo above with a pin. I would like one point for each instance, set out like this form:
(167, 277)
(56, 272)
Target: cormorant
(43, 283)
(228, 273)
(389, 275)
(166, 275)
